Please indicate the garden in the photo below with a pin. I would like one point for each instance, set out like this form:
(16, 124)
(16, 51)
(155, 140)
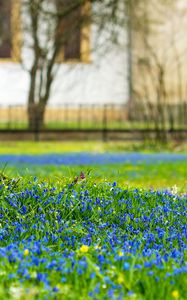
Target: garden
(92, 221)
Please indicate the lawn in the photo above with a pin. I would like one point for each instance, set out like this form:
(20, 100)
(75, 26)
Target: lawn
(28, 147)
(81, 225)
(161, 171)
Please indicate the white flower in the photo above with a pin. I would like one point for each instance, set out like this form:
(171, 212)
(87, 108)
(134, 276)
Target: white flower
(174, 190)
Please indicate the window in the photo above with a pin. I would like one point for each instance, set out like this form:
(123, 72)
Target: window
(5, 28)
(10, 30)
(74, 30)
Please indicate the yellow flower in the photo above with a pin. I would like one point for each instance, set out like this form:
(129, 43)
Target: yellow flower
(26, 252)
(120, 253)
(175, 294)
(84, 249)
(120, 279)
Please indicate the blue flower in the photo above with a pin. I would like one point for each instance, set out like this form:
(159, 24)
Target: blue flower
(42, 277)
(126, 266)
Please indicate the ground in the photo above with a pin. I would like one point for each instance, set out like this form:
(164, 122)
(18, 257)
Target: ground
(75, 225)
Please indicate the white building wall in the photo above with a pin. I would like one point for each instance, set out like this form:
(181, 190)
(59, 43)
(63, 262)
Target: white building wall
(103, 80)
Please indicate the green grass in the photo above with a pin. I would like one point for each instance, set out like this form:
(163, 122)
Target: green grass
(161, 175)
(64, 237)
(87, 241)
(91, 123)
(29, 147)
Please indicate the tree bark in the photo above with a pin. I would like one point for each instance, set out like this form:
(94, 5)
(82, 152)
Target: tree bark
(36, 112)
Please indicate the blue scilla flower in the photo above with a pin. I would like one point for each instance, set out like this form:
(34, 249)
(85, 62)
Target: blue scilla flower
(83, 263)
(51, 264)
(92, 275)
(24, 273)
(2, 236)
(13, 204)
(80, 271)
(101, 259)
(175, 253)
(126, 266)
(35, 261)
(138, 266)
(12, 258)
(88, 159)
(148, 264)
(97, 201)
(55, 289)
(23, 210)
(97, 288)
(111, 293)
(42, 277)
(150, 273)
(12, 275)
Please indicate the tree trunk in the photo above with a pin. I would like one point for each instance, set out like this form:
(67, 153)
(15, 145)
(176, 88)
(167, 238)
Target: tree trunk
(36, 116)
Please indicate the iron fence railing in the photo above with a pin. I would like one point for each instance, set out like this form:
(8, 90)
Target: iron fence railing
(107, 116)
(67, 116)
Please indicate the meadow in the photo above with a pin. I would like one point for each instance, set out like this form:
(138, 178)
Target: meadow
(88, 221)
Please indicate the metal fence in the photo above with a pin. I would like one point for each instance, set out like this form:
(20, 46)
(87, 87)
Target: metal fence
(63, 116)
(67, 116)
(64, 121)
(170, 115)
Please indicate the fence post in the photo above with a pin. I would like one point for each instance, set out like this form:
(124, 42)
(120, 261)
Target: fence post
(36, 127)
(79, 116)
(104, 123)
(9, 117)
(66, 115)
(94, 121)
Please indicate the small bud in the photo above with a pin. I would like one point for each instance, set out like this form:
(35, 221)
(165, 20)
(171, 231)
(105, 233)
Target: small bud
(26, 252)
(84, 249)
